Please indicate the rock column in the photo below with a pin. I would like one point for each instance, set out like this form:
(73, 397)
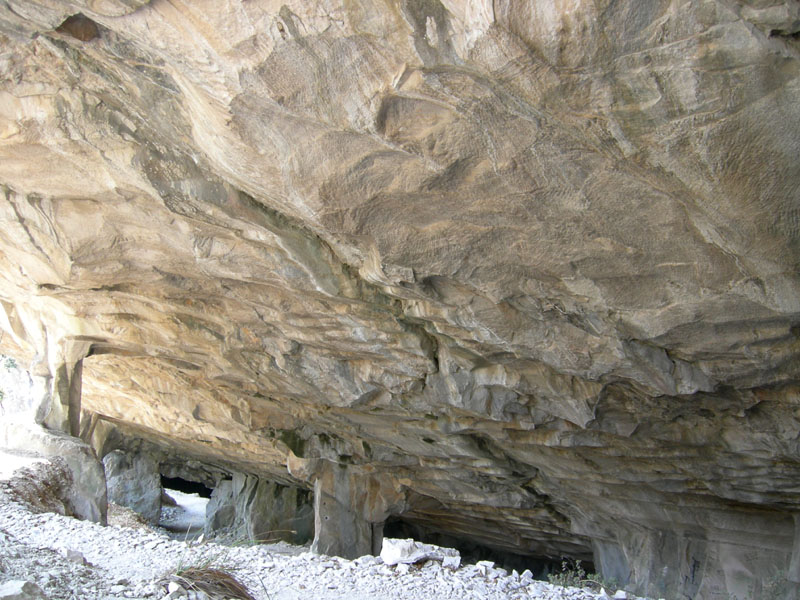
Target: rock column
(59, 367)
(65, 398)
(133, 480)
(351, 503)
(249, 507)
(340, 527)
(793, 573)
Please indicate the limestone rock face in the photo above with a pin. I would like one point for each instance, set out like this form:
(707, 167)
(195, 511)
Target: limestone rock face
(133, 480)
(75, 480)
(247, 508)
(525, 272)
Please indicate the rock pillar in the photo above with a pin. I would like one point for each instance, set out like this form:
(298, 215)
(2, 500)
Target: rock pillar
(65, 398)
(340, 527)
(351, 503)
(793, 573)
(248, 507)
(59, 368)
(133, 480)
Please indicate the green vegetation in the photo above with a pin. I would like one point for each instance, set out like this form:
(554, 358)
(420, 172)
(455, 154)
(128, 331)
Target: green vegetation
(572, 574)
(776, 587)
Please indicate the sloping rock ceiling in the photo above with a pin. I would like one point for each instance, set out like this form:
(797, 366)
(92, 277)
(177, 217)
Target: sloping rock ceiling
(524, 273)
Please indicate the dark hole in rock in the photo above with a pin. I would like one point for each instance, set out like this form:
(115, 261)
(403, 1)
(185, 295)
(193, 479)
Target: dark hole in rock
(187, 487)
(184, 516)
(80, 27)
(472, 552)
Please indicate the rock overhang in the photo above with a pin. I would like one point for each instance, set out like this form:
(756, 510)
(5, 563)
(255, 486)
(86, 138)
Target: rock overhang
(490, 256)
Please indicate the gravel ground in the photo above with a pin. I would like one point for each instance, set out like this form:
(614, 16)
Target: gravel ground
(70, 559)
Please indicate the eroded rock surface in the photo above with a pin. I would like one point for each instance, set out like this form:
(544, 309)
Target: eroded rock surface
(134, 481)
(247, 508)
(528, 271)
(65, 478)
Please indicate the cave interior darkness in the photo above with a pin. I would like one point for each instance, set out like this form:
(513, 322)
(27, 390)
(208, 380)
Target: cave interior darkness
(186, 486)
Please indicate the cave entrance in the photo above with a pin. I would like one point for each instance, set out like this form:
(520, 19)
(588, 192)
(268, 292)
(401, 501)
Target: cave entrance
(185, 486)
(183, 507)
(473, 551)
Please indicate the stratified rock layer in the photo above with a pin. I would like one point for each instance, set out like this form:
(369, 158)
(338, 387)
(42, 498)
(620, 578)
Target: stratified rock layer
(520, 272)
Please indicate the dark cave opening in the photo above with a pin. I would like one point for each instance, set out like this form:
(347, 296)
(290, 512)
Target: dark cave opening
(472, 551)
(80, 27)
(185, 486)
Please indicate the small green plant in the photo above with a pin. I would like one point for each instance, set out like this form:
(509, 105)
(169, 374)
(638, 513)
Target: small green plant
(9, 363)
(775, 587)
(572, 574)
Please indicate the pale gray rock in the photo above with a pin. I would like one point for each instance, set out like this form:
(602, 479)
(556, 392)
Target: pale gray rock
(246, 507)
(21, 590)
(76, 557)
(133, 480)
(82, 488)
(408, 551)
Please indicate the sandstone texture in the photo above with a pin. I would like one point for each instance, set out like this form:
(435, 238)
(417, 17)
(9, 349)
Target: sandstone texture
(522, 273)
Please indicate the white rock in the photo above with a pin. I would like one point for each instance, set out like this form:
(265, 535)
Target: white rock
(21, 590)
(484, 566)
(621, 595)
(408, 551)
(76, 557)
(403, 568)
(451, 562)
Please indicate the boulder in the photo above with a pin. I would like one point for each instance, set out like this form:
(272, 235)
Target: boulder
(84, 489)
(408, 551)
(21, 590)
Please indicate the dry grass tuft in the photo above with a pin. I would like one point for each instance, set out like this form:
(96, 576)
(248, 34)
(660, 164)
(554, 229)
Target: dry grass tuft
(216, 583)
